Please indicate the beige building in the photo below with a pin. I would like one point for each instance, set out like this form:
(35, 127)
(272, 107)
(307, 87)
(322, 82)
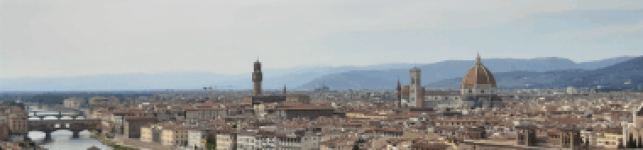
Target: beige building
(197, 138)
(18, 120)
(146, 133)
(204, 112)
(74, 102)
(337, 144)
(152, 133)
(610, 140)
(167, 135)
(132, 125)
(226, 140)
(4, 131)
(301, 98)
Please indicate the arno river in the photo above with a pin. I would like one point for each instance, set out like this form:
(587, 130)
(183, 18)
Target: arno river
(62, 139)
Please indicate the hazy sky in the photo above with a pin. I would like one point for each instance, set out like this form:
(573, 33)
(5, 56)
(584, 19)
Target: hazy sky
(52, 38)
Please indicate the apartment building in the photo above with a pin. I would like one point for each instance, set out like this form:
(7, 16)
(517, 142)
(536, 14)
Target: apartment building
(197, 138)
(132, 125)
(227, 140)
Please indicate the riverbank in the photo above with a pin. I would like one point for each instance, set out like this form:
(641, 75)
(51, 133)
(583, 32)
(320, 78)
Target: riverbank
(107, 141)
(133, 144)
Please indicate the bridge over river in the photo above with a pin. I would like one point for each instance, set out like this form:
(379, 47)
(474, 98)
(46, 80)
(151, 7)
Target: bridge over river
(58, 114)
(76, 126)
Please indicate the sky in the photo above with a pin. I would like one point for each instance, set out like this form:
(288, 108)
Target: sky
(63, 38)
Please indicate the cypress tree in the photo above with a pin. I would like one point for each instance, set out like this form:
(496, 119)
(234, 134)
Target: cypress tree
(630, 142)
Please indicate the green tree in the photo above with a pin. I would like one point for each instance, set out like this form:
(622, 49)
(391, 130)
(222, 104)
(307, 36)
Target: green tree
(210, 146)
(356, 147)
(234, 126)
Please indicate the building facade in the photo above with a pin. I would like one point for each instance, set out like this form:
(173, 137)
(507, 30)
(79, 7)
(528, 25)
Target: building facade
(226, 140)
(197, 138)
(133, 124)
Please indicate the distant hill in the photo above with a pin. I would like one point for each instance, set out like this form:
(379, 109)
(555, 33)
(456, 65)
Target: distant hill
(382, 76)
(627, 74)
(386, 79)
(273, 79)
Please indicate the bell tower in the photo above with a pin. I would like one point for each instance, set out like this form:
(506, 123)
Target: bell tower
(415, 98)
(257, 78)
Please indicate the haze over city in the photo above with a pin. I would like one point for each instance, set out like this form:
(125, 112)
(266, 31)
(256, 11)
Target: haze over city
(86, 38)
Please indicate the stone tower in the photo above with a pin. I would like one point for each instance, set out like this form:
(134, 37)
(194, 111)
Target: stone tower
(285, 90)
(398, 90)
(257, 78)
(415, 98)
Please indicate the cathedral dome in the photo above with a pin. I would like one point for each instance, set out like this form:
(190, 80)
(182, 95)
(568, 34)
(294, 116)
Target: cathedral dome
(478, 74)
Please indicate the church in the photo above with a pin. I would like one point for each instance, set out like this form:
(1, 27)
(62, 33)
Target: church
(478, 90)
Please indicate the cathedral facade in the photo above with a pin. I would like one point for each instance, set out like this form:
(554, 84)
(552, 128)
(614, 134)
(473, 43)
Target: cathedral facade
(478, 90)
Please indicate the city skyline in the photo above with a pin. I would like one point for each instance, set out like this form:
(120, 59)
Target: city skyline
(87, 38)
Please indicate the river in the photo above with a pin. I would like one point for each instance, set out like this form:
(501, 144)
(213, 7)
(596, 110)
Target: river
(62, 139)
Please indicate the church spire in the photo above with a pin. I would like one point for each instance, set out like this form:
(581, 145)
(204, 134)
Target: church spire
(399, 86)
(284, 89)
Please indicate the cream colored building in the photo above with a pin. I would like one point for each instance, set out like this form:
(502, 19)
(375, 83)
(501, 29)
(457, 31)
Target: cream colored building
(167, 136)
(610, 140)
(18, 121)
(197, 138)
(226, 140)
(146, 133)
(74, 102)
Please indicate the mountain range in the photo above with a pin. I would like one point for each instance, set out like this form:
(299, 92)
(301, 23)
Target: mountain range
(383, 76)
(445, 72)
(627, 74)
(273, 79)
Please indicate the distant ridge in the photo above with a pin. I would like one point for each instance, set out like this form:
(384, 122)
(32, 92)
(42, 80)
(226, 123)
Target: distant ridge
(386, 79)
(622, 75)
(382, 76)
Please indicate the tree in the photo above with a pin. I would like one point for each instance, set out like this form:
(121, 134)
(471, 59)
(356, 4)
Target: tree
(587, 144)
(630, 142)
(620, 145)
(210, 146)
(355, 147)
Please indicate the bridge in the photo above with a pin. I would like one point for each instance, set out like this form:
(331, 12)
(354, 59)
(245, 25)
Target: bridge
(76, 126)
(58, 116)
